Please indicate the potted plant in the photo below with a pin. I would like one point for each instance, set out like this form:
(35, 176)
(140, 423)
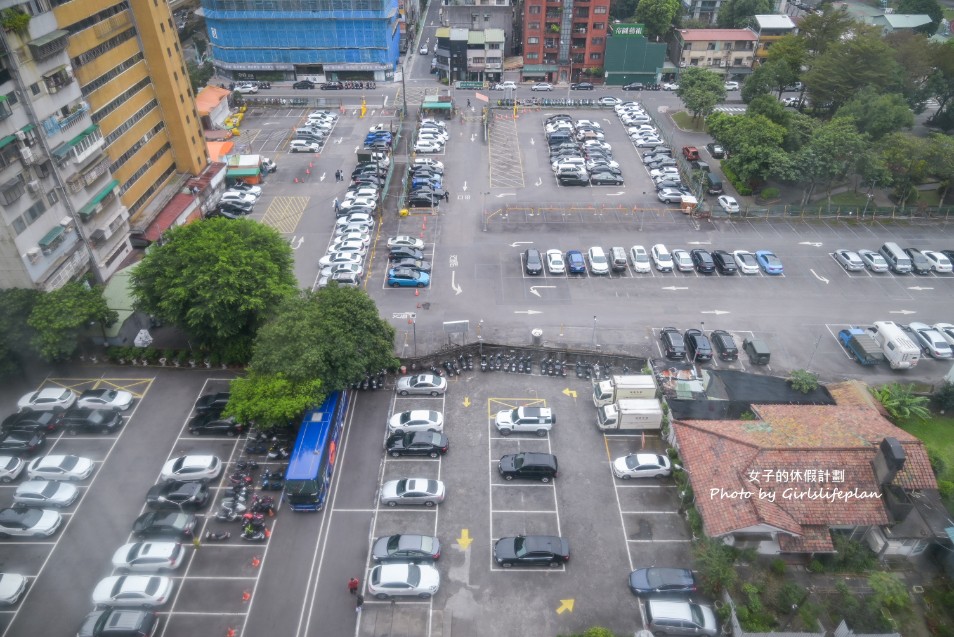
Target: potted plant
(16, 20)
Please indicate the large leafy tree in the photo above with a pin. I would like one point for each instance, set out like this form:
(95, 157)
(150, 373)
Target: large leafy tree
(623, 10)
(771, 77)
(218, 280)
(735, 14)
(754, 143)
(700, 90)
(657, 16)
(878, 114)
(830, 154)
(59, 318)
(929, 7)
(272, 400)
(915, 56)
(820, 31)
(16, 304)
(941, 154)
(907, 159)
(940, 84)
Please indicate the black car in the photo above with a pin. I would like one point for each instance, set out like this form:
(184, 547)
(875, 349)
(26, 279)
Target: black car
(212, 403)
(920, 264)
(212, 424)
(303, 84)
(234, 208)
(424, 199)
(177, 495)
(165, 524)
(119, 622)
(698, 347)
(532, 261)
(406, 548)
(725, 345)
(635, 86)
(724, 262)
(21, 443)
(31, 421)
(404, 252)
(413, 264)
(417, 443)
(716, 150)
(79, 420)
(703, 261)
(673, 346)
(650, 582)
(531, 550)
(573, 180)
(332, 86)
(605, 179)
(582, 86)
(606, 169)
(529, 465)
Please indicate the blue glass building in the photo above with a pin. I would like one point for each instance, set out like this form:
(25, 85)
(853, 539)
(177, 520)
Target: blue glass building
(319, 40)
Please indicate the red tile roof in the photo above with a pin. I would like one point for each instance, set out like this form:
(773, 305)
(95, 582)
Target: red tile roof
(717, 35)
(164, 220)
(803, 466)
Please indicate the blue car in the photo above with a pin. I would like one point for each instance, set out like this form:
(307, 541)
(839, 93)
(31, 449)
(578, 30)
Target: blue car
(408, 278)
(575, 263)
(430, 182)
(382, 135)
(769, 263)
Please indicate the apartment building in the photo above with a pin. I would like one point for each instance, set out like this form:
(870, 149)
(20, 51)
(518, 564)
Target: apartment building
(562, 38)
(470, 55)
(727, 51)
(478, 15)
(769, 29)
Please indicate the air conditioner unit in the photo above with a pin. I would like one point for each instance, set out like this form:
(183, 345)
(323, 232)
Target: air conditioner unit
(21, 135)
(26, 154)
(67, 223)
(33, 254)
(33, 186)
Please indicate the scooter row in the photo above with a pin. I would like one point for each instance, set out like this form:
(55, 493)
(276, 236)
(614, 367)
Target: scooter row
(371, 381)
(356, 84)
(454, 366)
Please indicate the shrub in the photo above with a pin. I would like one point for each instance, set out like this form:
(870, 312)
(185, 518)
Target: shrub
(777, 567)
(938, 465)
(740, 187)
(946, 489)
(716, 569)
(889, 591)
(943, 397)
(815, 567)
(803, 381)
(769, 193)
(789, 596)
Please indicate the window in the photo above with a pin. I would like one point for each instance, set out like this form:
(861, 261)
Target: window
(11, 98)
(596, 56)
(533, 10)
(35, 89)
(597, 41)
(533, 56)
(599, 26)
(13, 189)
(52, 197)
(532, 40)
(600, 9)
(737, 62)
(582, 12)
(533, 26)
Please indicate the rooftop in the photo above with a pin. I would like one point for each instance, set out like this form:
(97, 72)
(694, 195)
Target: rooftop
(716, 35)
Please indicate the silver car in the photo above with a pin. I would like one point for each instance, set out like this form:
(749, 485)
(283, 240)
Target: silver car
(412, 491)
(849, 260)
(132, 591)
(422, 384)
(10, 468)
(12, 586)
(404, 580)
(67, 467)
(873, 261)
(931, 340)
(148, 557)
(45, 493)
(416, 420)
(192, 469)
(682, 260)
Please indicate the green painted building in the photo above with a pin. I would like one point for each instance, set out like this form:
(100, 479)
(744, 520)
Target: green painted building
(630, 57)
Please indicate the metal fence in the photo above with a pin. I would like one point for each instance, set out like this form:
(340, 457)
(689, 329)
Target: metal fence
(821, 210)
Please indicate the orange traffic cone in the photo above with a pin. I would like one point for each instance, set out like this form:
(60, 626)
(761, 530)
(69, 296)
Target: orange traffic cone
(256, 561)
(230, 632)
(246, 595)
(417, 292)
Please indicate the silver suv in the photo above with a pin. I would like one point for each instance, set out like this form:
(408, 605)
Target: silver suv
(538, 420)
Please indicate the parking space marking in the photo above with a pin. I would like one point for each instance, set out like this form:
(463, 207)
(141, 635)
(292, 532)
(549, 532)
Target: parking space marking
(505, 161)
(135, 386)
(285, 212)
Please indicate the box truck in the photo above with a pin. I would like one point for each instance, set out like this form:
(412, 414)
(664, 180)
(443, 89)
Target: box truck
(622, 387)
(898, 348)
(630, 414)
(862, 345)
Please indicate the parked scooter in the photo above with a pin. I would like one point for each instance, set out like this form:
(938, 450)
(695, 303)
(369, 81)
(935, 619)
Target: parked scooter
(221, 536)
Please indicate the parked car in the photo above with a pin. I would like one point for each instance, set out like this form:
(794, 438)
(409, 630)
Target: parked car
(945, 329)
(715, 150)
(702, 260)
(332, 86)
(303, 84)
(728, 204)
(416, 443)
(849, 260)
(212, 403)
(581, 86)
(770, 263)
(682, 260)
(538, 420)
(212, 424)
(413, 264)
(203, 468)
(698, 347)
(939, 262)
(598, 178)
(408, 278)
(165, 524)
(10, 468)
(103, 421)
(555, 263)
(49, 399)
(27, 522)
(246, 88)
(599, 264)
(532, 550)
(416, 420)
(105, 399)
(724, 345)
(395, 254)
(421, 385)
(21, 443)
(634, 86)
(532, 261)
(542, 86)
(60, 467)
(141, 591)
(148, 557)
(12, 586)
(920, 264)
(575, 262)
(931, 340)
(746, 261)
(731, 86)
(45, 493)
(662, 582)
(528, 465)
(403, 580)
(176, 495)
(406, 548)
(673, 346)
(31, 421)
(724, 262)
(412, 491)
(661, 258)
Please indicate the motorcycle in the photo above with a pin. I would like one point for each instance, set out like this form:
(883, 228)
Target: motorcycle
(228, 515)
(277, 451)
(258, 449)
(483, 362)
(221, 536)
(246, 465)
(251, 534)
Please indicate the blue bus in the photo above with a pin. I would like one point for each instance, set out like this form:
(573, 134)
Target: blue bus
(312, 461)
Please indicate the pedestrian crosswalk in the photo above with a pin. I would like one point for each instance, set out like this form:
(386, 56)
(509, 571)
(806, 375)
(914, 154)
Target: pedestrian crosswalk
(730, 109)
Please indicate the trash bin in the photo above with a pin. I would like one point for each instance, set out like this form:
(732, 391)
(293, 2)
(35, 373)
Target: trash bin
(537, 335)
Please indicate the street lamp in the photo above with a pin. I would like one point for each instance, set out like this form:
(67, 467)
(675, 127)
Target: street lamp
(594, 329)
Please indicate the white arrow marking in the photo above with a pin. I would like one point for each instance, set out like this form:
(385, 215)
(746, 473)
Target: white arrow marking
(528, 312)
(296, 245)
(919, 288)
(322, 178)
(716, 312)
(385, 101)
(457, 289)
(901, 312)
(533, 288)
(520, 243)
(539, 181)
(818, 276)
(673, 287)
(615, 194)
(699, 243)
(532, 142)
(464, 187)
(506, 194)
(809, 243)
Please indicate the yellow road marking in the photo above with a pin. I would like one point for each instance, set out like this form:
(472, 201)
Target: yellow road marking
(284, 213)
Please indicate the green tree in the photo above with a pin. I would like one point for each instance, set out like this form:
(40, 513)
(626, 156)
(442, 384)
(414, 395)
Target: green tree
(771, 77)
(657, 16)
(623, 10)
(830, 155)
(218, 280)
(59, 318)
(820, 31)
(901, 402)
(889, 591)
(271, 400)
(770, 108)
(736, 14)
(915, 56)
(940, 84)
(877, 114)
(199, 75)
(754, 144)
(16, 304)
(335, 334)
(907, 159)
(928, 7)
(716, 565)
(700, 90)
(803, 381)
(941, 158)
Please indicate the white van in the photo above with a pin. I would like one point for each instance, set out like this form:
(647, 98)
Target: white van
(898, 260)
(898, 348)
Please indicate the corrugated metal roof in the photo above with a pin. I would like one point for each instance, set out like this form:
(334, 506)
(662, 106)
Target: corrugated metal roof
(475, 37)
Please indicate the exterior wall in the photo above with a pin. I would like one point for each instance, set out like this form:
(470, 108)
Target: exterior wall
(715, 55)
(704, 10)
(633, 59)
(478, 18)
(567, 34)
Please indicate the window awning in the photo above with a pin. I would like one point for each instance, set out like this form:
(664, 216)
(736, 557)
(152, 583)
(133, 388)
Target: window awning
(28, 128)
(49, 37)
(6, 140)
(50, 74)
(540, 68)
(63, 150)
(243, 172)
(3, 98)
(437, 106)
(51, 236)
(90, 207)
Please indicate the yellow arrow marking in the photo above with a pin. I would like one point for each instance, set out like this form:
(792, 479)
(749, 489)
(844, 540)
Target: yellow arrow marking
(565, 604)
(569, 392)
(463, 542)
(466, 401)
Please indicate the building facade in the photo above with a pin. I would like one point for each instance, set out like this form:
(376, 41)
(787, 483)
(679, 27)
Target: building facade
(318, 40)
(470, 55)
(564, 39)
(727, 51)
(480, 15)
(631, 58)
(769, 29)
(701, 10)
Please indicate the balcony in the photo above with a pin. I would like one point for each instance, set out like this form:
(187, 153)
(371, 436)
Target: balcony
(5, 110)
(81, 147)
(100, 200)
(57, 79)
(49, 45)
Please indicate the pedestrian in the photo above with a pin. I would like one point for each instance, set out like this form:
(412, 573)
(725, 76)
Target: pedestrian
(358, 603)
(338, 175)
(336, 204)
(446, 196)
(353, 584)
(468, 103)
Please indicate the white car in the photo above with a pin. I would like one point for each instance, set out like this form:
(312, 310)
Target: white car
(105, 399)
(241, 197)
(27, 522)
(241, 186)
(640, 259)
(946, 330)
(12, 586)
(648, 142)
(590, 134)
(350, 268)
(423, 50)
(609, 100)
(670, 86)
(360, 228)
(362, 237)
(430, 121)
(558, 126)
(593, 163)
(631, 120)
(337, 258)
(729, 204)
(579, 162)
(303, 146)
(588, 122)
(425, 146)
(70, 468)
(746, 261)
(361, 192)
(595, 143)
(416, 420)
(661, 258)
(640, 128)
(406, 241)
(599, 264)
(665, 170)
(358, 217)
(148, 557)
(192, 469)
(10, 468)
(350, 246)
(555, 263)
(427, 161)
(509, 84)
(732, 86)
(939, 261)
(682, 260)
(931, 340)
(404, 580)
(642, 465)
(45, 493)
(358, 202)
(139, 591)
(49, 399)
(422, 384)
(246, 88)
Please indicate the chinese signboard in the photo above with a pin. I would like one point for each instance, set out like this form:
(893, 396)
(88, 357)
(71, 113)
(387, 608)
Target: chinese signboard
(626, 29)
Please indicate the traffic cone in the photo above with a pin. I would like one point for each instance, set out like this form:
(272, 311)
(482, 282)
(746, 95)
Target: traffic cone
(310, 165)
(424, 225)
(417, 292)
(268, 533)
(246, 596)
(296, 180)
(308, 171)
(230, 632)
(256, 561)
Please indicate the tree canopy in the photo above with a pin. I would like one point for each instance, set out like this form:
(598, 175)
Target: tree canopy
(754, 143)
(59, 317)
(16, 336)
(700, 90)
(878, 114)
(218, 280)
(736, 14)
(272, 400)
(657, 16)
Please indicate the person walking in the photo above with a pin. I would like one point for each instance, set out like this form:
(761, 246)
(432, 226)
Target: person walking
(336, 204)
(358, 603)
(353, 584)
(338, 175)
(446, 196)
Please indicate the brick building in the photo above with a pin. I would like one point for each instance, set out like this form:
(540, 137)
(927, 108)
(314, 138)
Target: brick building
(562, 38)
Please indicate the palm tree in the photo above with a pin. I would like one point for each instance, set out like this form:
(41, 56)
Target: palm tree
(901, 403)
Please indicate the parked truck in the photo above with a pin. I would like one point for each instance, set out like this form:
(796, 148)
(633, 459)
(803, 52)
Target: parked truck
(862, 345)
(622, 387)
(630, 414)
(900, 351)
